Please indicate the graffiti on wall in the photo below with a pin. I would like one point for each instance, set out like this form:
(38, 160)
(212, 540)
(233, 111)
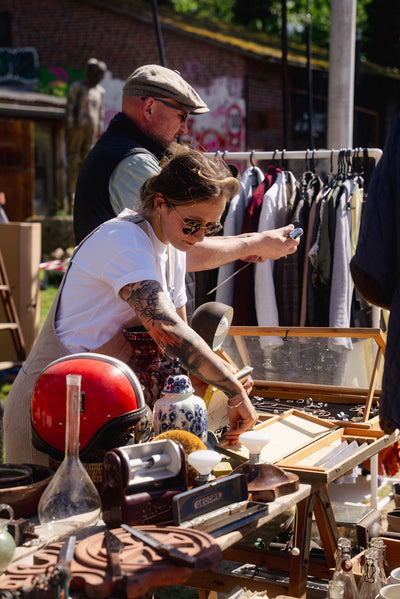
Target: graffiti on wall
(19, 66)
(223, 128)
(56, 81)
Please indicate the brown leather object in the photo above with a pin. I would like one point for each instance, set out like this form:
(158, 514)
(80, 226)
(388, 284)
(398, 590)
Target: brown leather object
(143, 569)
(267, 482)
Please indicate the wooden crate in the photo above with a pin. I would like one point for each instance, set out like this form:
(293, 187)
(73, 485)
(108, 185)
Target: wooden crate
(301, 443)
(361, 445)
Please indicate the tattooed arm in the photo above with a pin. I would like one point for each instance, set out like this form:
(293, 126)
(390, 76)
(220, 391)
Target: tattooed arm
(177, 340)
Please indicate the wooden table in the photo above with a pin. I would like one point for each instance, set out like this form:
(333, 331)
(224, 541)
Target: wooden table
(307, 500)
(310, 502)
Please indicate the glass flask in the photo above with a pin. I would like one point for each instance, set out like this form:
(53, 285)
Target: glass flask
(381, 547)
(71, 500)
(344, 569)
(370, 583)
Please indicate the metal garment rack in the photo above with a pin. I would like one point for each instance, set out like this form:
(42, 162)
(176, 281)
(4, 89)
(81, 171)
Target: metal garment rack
(307, 155)
(375, 153)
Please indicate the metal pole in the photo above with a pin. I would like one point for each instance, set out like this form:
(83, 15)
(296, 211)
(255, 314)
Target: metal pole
(158, 33)
(285, 88)
(309, 79)
(341, 74)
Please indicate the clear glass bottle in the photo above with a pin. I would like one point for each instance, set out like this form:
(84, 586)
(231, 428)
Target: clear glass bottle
(381, 548)
(344, 569)
(71, 500)
(370, 583)
(336, 589)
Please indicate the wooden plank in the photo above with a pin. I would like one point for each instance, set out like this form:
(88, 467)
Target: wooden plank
(355, 333)
(310, 388)
(374, 376)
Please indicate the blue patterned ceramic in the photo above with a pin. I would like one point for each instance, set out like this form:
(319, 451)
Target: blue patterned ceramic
(179, 409)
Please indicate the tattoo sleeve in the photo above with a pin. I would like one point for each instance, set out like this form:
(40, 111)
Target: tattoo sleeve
(175, 338)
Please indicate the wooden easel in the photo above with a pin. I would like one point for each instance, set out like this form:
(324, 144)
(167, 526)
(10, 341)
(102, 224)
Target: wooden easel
(11, 323)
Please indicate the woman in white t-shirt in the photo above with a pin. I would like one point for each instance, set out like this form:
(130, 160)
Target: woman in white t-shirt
(132, 269)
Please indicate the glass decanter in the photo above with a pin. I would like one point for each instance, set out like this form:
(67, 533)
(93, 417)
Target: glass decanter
(381, 548)
(344, 569)
(370, 583)
(71, 501)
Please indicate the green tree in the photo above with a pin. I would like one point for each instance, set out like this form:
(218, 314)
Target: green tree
(266, 15)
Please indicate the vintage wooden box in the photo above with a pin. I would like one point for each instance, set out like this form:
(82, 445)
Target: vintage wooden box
(330, 373)
(318, 451)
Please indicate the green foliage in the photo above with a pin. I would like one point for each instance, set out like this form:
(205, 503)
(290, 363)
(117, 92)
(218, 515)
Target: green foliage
(214, 9)
(5, 387)
(266, 16)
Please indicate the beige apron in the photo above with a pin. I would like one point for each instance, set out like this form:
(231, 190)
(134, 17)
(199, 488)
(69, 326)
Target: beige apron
(48, 347)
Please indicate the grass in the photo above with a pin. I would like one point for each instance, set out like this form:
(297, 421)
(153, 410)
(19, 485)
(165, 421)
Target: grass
(47, 296)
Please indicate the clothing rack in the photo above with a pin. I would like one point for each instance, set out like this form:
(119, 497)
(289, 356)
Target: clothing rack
(311, 155)
(306, 155)
(375, 153)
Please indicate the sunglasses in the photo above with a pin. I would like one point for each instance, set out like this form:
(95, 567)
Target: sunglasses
(185, 113)
(190, 227)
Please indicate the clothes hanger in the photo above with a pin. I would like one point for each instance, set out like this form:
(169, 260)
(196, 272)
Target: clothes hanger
(251, 161)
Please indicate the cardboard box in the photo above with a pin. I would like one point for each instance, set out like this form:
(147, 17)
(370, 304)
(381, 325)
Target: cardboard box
(20, 244)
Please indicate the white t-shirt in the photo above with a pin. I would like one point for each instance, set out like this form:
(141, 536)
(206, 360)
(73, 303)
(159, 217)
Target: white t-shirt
(90, 309)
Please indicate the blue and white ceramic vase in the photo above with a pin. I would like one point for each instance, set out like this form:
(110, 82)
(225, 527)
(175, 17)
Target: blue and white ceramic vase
(178, 408)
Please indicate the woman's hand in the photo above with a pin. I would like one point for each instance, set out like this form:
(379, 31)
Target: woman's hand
(247, 383)
(242, 417)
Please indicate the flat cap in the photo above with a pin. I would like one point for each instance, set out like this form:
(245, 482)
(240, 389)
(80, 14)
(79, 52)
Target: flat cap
(159, 82)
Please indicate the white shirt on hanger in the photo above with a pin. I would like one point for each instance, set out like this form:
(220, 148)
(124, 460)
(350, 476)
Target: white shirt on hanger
(341, 282)
(272, 216)
(251, 179)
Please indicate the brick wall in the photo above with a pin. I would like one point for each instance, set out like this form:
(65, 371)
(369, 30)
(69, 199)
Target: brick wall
(68, 32)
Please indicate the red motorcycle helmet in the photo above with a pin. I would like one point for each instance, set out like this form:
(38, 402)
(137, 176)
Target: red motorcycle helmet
(112, 405)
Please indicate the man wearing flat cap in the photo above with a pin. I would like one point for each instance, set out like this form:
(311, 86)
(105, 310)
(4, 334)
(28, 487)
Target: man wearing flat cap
(155, 105)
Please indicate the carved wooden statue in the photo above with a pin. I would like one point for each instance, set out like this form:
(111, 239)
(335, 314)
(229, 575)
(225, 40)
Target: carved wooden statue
(84, 115)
